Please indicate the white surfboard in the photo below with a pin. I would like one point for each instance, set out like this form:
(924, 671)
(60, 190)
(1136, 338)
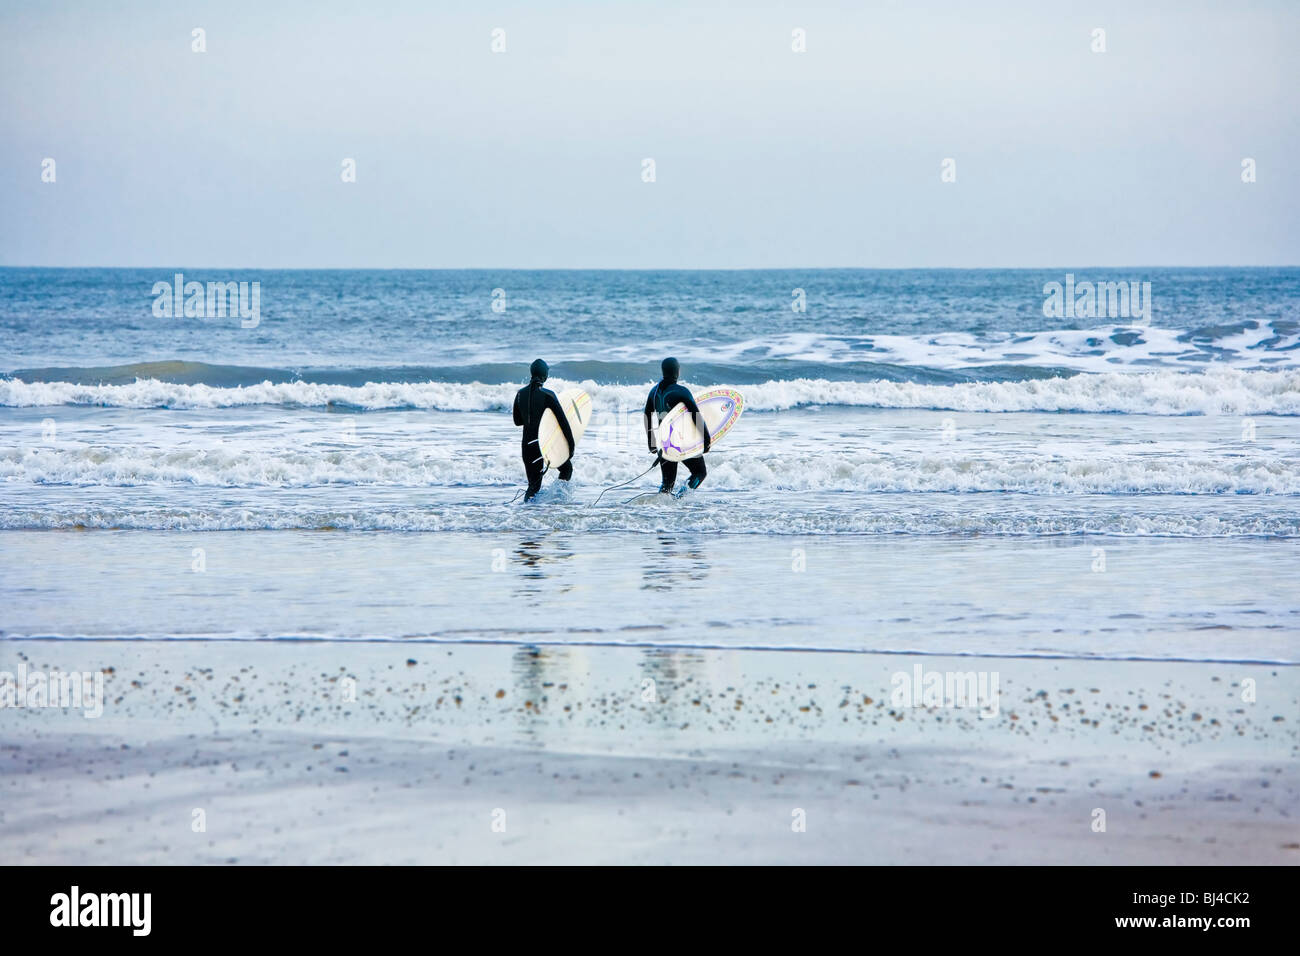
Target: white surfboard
(550, 438)
(679, 438)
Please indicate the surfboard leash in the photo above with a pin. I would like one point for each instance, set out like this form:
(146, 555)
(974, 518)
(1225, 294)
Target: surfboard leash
(624, 484)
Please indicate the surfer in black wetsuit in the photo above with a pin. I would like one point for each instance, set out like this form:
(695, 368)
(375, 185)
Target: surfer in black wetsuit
(530, 402)
(664, 397)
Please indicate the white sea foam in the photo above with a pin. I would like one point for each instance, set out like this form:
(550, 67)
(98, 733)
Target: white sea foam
(1217, 391)
(946, 469)
(1098, 349)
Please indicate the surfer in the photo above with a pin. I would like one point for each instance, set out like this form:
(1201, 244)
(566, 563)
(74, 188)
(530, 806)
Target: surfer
(531, 402)
(664, 397)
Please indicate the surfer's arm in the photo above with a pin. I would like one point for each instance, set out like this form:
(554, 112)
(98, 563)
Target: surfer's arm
(519, 411)
(649, 422)
(553, 404)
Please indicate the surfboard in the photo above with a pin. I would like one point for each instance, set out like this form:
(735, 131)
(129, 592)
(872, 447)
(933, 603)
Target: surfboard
(679, 438)
(550, 438)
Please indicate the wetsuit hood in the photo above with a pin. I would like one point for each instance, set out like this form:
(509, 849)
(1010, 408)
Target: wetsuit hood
(539, 370)
(671, 369)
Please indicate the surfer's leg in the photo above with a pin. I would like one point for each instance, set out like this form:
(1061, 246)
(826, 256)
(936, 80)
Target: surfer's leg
(533, 468)
(698, 471)
(669, 470)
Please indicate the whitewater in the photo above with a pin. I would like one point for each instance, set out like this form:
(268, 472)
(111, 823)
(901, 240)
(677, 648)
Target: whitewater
(911, 427)
(1223, 391)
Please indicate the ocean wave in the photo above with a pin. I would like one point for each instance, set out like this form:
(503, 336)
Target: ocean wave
(1218, 391)
(947, 469)
(1245, 344)
(935, 358)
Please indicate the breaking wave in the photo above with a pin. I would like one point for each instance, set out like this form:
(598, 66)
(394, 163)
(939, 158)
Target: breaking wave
(1219, 391)
(405, 466)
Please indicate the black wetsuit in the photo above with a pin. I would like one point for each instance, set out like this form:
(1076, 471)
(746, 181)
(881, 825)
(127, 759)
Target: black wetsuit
(530, 402)
(664, 397)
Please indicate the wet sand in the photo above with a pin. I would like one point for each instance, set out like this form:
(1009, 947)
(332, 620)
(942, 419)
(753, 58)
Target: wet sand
(302, 752)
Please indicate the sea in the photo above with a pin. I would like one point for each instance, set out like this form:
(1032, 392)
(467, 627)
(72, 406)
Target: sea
(929, 461)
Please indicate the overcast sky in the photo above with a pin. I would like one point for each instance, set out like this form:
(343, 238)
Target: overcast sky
(763, 157)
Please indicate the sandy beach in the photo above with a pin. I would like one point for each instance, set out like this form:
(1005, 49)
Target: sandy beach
(305, 752)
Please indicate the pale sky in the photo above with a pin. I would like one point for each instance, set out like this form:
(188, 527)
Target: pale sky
(764, 157)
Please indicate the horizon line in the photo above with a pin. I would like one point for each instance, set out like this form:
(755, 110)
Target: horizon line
(658, 269)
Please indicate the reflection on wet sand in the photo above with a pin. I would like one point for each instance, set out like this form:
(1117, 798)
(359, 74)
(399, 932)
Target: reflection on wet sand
(528, 665)
(540, 560)
(667, 674)
(546, 682)
(673, 563)
(555, 706)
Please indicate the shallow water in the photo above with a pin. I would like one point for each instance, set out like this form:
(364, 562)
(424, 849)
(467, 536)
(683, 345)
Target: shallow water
(1072, 597)
(926, 464)
(826, 470)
